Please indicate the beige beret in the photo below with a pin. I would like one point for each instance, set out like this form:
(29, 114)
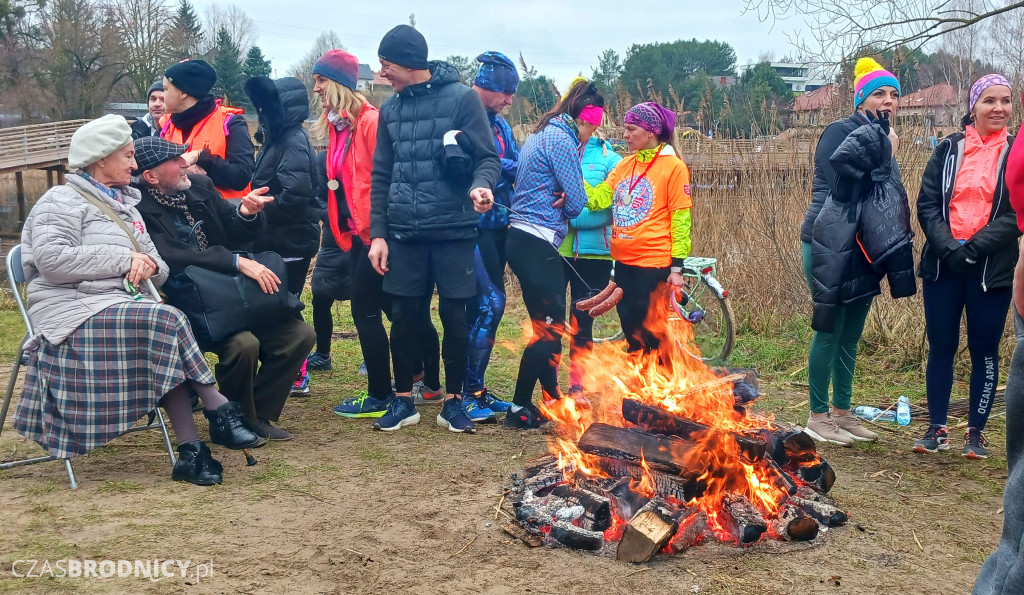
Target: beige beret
(98, 139)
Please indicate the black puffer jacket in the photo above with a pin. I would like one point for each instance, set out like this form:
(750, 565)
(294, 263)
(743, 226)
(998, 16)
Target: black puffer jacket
(331, 274)
(994, 247)
(824, 180)
(860, 238)
(412, 198)
(286, 164)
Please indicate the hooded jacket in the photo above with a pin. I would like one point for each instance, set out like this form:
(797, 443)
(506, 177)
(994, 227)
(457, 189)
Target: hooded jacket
(590, 233)
(824, 180)
(508, 152)
(993, 247)
(286, 165)
(860, 238)
(412, 195)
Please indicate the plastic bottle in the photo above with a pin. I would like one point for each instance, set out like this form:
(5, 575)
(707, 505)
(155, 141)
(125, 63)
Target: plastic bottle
(903, 411)
(874, 414)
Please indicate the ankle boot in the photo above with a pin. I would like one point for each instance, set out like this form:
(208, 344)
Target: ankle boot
(228, 427)
(195, 467)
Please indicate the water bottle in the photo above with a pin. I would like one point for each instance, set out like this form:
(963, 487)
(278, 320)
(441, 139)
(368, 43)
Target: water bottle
(903, 411)
(874, 414)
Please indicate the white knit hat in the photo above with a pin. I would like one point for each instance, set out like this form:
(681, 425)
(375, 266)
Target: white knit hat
(98, 139)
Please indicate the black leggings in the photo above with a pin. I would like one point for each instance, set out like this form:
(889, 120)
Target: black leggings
(368, 303)
(944, 303)
(595, 273)
(539, 268)
(413, 350)
(638, 287)
(297, 271)
(323, 322)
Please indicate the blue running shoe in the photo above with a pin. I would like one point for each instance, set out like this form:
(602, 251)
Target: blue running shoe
(492, 402)
(319, 361)
(477, 411)
(454, 418)
(401, 412)
(300, 388)
(363, 405)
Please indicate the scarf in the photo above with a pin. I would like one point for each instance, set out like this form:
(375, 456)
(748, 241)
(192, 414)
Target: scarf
(571, 123)
(115, 193)
(176, 202)
(337, 150)
(186, 120)
(647, 155)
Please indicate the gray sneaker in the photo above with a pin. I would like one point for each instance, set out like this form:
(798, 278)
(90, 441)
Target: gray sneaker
(846, 420)
(974, 444)
(823, 428)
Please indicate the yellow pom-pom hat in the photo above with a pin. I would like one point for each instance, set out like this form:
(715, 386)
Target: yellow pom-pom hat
(869, 75)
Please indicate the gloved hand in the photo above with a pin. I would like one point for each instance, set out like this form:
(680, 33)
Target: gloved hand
(962, 259)
(881, 118)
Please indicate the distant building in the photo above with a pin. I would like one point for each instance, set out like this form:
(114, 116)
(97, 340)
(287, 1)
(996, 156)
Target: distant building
(135, 110)
(935, 111)
(364, 80)
(723, 81)
(799, 78)
(817, 107)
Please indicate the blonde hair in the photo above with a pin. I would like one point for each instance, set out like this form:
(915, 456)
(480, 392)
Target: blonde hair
(344, 101)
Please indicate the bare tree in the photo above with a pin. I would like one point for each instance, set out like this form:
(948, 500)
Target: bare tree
(838, 27)
(238, 23)
(1008, 28)
(144, 26)
(303, 69)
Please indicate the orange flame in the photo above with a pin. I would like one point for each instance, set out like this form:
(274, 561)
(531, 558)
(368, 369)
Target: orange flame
(645, 486)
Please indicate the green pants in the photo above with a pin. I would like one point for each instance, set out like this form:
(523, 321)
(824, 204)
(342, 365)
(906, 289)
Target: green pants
(833, 355)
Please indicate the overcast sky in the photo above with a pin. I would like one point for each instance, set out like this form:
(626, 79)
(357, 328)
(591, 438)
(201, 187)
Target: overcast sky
(558, 38)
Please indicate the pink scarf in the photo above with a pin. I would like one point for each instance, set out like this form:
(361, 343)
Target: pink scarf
(337, 149)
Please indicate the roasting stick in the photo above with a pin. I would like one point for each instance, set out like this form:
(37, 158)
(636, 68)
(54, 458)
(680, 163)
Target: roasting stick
(249, 459)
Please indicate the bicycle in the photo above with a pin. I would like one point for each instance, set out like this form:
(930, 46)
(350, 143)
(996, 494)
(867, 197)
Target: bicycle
(707, 308)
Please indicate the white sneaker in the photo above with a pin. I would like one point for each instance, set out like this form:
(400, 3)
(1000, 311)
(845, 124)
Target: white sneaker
(846, 420)
(823, 428)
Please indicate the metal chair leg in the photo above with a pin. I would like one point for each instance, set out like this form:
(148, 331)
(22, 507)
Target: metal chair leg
(167, 437)
(10, 390)
(71, 474)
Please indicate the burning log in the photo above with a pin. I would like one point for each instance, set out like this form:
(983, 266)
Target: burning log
(820, 476)
(824, 513)
(663, 453)
(597, 514)
(785, 447)
(742, 519)
(648, 531)
(682, 488)
(745, 387)
(793, 524)
(655, 419)
(780, 478)
(575, 537)
(530, 538)
(539, 465)
(691, 529)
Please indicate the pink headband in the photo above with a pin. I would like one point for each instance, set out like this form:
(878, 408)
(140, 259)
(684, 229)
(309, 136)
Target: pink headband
(592, 114)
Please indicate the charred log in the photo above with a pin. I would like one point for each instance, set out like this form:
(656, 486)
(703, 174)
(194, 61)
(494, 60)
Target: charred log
(682, 488)
(826, 514)
(820, 476)
(656, 419)
(742, 520)
(575, 537)
(691, 531)
(530, 538)
(648, 531)
(538, 465)
(781, 479)
(597, 514)
(792, 446)
(793, 524)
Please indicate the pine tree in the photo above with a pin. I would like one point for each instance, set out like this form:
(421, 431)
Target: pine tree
(187, 36)
(255, 64)
(228, 63)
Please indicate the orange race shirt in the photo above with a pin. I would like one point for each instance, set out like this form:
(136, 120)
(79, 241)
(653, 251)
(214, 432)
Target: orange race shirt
(645, 194)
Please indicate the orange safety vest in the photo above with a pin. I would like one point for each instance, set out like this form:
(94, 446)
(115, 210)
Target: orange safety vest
(210, 133)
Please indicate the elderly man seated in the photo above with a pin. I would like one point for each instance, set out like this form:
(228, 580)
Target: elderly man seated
(192, 225)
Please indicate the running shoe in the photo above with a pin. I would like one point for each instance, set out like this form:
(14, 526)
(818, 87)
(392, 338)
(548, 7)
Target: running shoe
(424, 395)
(400, 412)
(974, 444)
(477, 410)
(527, 418)
(935, 438)
(319, 361)
(300, 388)
(454, 418)
(363, 405)
(492, 402)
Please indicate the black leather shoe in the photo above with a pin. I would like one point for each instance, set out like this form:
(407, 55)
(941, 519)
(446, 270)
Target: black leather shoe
(192, 466)
(264, 429)
(229, 429)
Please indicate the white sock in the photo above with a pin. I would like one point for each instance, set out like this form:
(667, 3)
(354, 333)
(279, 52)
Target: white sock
(516, 408)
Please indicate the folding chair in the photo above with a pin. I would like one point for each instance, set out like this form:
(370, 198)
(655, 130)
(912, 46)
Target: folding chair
(16, 277)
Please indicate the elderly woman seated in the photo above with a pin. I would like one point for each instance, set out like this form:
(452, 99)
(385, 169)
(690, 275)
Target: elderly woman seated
(108, 354)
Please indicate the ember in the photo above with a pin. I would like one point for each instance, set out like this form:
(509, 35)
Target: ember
(665, 456)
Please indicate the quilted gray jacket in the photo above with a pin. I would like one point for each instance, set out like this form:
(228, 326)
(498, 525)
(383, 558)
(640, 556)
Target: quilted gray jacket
(75, 258)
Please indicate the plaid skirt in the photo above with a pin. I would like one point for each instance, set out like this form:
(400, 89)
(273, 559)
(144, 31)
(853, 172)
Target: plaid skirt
(112, 371)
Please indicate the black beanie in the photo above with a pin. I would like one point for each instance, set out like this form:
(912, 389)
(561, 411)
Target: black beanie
(194, 77)
(404, 46)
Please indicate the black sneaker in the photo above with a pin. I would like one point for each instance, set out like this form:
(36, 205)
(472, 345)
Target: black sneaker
(936, 438)
(319, 361)
(974, 444)
(527, 418)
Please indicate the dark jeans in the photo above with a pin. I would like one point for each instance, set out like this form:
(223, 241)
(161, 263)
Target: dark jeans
(487, 307)
(595, 273)
(638, 287)
(368, 303)
(945, 301)
(297, 270)
(411, 346)
(539, 268)
(256, 368)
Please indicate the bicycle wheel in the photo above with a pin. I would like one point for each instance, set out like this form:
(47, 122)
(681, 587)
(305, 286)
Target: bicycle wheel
(607, 327)
(715, 332)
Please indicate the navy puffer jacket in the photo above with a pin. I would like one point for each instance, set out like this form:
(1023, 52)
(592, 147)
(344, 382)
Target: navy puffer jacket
(412, 196)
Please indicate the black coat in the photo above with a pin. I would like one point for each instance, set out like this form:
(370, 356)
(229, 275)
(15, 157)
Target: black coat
(862, 236)
(286, 164)
(331, 274)
(224, 227)
(994, 247)
(824, 181)
(412, 196)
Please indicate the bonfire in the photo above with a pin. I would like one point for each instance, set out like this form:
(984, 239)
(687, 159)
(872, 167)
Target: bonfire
(666, 455)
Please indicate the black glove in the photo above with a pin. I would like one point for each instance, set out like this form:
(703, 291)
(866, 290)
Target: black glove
(962, 259)
(881, 117)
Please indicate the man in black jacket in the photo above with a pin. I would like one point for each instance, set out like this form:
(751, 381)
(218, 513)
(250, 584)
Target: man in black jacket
(423, 218)
(192, 225)
(149, 125)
